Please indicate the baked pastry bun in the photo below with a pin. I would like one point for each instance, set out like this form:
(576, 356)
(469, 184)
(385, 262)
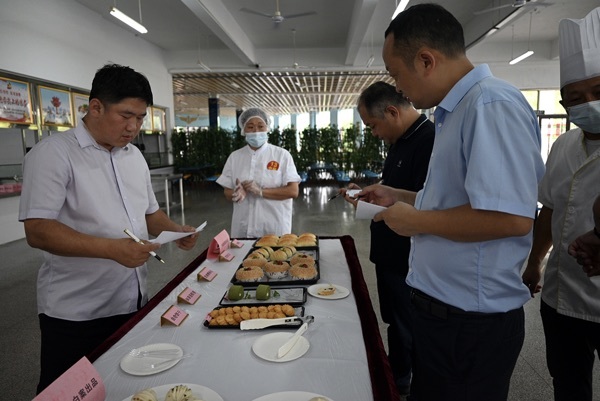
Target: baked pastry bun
(279, 254)
(303, 271)
(277, 269)
(301, 257)
(249, 274)
(254, 259)
(145, 395)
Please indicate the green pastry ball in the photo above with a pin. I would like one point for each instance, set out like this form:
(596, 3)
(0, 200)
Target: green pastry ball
(236, 292)
(263, 291)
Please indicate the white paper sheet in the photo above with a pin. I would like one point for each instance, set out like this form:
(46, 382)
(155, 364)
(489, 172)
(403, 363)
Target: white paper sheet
(168, 236)
(366, 210)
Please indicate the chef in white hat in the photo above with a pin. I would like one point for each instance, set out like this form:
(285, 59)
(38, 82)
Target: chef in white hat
(261, 180)
(570, 306)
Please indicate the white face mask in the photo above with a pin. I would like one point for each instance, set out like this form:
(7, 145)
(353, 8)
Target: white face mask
(586, 116)
(256, 139)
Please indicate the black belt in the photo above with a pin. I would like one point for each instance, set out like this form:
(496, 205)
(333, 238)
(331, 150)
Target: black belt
(424, 302)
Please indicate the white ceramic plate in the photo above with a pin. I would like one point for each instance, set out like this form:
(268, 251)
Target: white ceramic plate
(200, 392)
(290, 396)
(266, 347)
(340, 292)
(142, 366)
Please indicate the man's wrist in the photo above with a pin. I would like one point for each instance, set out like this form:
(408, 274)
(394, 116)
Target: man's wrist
(597, 232)
(261, 194)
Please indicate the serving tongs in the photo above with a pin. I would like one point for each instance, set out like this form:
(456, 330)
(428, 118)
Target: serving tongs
(254, 324)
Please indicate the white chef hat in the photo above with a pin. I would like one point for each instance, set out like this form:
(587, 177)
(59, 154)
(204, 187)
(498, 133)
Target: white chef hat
(252, 113)
(579, 48)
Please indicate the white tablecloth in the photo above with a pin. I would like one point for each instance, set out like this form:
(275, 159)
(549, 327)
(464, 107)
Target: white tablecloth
(335, 364)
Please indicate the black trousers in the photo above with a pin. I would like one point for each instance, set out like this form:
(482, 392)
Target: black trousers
(462, 356)
(571, 345)
(395, 307)
(64, 342)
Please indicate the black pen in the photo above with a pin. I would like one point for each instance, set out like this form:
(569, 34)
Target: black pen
(139, 241)
(334, 196)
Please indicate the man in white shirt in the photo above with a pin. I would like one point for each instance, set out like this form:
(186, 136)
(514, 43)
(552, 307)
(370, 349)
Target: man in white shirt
(81, 189)
(570, 306)
(261, 179)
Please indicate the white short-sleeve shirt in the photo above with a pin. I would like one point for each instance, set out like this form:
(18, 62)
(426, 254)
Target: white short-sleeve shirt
(270, 167)
(569, 188)
(68, 177)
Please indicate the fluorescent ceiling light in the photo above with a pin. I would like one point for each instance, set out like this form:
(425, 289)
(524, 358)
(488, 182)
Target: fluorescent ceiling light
(400, 8)
(370, 61)
(129, 21)
(203, 66)
(521, 57)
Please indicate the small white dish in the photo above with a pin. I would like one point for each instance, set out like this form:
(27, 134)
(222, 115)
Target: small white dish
(340, 292)
(143, 366)
(266, 347)
(290, 396)
(200, 392)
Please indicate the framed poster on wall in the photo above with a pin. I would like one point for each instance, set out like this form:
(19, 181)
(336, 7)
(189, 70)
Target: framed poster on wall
(80, 106)
(158, 119)
(15, 101)
(147, 124)
(55, 105)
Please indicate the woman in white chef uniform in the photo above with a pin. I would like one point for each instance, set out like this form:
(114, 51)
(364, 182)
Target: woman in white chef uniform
(261, 180)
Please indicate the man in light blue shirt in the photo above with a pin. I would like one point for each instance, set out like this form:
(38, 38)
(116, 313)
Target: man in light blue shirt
(471, 223)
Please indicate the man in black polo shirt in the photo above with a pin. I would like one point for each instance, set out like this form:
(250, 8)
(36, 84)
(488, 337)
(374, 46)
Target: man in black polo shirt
(410, 134)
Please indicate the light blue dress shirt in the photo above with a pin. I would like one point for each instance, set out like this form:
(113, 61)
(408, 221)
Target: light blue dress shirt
(70, 178)
(486, 154)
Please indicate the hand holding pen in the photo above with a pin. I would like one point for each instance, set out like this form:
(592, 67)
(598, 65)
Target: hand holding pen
(139, 241)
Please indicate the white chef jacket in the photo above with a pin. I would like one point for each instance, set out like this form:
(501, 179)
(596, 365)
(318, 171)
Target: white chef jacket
(270, 167)
(68, 177)
(569, 188)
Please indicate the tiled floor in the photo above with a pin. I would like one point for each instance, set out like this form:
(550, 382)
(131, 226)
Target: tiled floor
(19, 333)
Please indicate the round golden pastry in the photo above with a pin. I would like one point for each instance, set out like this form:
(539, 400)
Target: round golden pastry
(301, 257)
(303, 271)
(309, 235)
(289, 235)
(268, 240)
(254, 260)
(276, 269)
(288, 310)
(326, 291)
(279, 254)
(306, 241)
(287, 242)
(249, 273)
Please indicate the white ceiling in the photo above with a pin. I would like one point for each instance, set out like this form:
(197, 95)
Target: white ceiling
(254, 62)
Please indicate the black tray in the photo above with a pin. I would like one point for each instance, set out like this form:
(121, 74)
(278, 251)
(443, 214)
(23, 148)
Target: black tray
(294, 296)
(295, 325)
(287, 281)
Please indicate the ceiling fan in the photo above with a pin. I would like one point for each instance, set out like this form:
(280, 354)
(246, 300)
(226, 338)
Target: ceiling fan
(295, 65)
(514, 4)
(277, 17)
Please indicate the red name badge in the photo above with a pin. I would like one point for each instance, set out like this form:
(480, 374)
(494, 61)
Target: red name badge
(173, 316)
(206, 274)
(81, 381)
(188, 296)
